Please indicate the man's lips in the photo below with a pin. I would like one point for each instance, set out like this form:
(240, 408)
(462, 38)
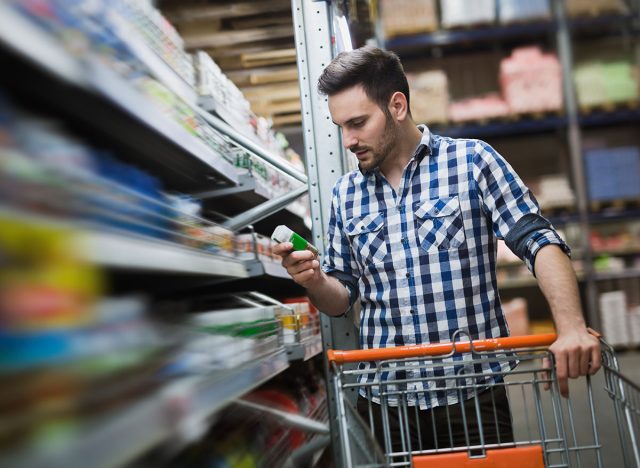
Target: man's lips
(360, 153)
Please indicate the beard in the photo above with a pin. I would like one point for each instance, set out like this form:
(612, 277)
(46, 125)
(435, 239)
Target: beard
(384, 147)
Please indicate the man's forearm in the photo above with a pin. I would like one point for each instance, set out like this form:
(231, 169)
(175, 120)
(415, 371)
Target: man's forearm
(557, 280)
(329, 295)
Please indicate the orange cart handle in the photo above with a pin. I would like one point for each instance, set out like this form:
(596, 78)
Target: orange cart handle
(439, 349)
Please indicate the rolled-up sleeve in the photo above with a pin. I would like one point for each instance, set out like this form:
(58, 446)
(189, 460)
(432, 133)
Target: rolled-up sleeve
(513, 210)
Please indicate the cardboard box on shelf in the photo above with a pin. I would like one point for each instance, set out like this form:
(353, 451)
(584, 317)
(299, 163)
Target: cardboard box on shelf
(613, 316)
(429, 96)
(404, 17)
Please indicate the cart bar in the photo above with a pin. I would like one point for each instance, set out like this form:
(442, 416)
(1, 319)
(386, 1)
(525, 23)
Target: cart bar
(439, 349)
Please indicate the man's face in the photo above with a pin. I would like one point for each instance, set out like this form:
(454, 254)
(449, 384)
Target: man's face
(366, 130)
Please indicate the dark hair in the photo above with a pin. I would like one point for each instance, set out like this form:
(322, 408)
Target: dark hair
(378, 71)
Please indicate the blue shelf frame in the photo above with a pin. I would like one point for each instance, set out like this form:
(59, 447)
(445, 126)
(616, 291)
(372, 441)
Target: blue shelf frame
(503, 128)
(535, 28)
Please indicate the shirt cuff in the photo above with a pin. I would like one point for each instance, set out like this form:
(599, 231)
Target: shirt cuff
(348, 281)
(539, 240)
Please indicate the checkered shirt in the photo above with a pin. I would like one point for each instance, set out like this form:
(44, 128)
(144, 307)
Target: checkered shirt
(423, 259)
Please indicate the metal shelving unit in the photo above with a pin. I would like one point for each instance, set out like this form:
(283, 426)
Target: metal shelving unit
(181, 410)
(174, 416)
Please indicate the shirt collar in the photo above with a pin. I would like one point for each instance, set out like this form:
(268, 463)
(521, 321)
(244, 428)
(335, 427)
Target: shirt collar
(423, 148)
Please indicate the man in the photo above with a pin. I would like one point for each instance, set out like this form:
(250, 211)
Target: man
(413, 234)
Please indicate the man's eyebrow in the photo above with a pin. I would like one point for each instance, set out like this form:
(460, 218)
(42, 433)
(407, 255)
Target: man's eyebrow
(351, 120)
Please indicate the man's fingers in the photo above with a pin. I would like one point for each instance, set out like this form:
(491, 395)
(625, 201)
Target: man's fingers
(282, 249)
(585, 358)
(546, 364)
(573, 363)
(596, 360)
(299, 267)
(562, 373)
(303, 276)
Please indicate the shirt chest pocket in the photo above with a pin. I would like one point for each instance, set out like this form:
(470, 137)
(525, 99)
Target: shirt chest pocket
(440, 225)
(367, 236)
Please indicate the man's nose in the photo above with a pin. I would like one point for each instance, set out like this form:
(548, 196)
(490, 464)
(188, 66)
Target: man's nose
(349, 140)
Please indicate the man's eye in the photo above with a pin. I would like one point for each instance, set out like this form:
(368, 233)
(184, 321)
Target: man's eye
(358, 123)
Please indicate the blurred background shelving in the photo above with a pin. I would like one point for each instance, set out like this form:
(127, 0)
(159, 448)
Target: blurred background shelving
(148, 149)
(139, 189)
(554, 87)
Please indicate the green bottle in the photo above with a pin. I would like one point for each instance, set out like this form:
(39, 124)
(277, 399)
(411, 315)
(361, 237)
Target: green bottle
(284, 234)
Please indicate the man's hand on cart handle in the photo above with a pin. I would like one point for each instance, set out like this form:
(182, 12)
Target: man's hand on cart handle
(577, 353)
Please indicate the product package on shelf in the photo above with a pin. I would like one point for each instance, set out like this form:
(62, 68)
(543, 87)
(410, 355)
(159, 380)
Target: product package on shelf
(595, 7)
(429, 96)
(553, 192)
(49, 173)
(458, 13)
(487, 107)
(514, 11)
(605, 82)
(68, 354)
(613, 173)
(531, 81)
(619, 321)
(232, 336)
(403, 17)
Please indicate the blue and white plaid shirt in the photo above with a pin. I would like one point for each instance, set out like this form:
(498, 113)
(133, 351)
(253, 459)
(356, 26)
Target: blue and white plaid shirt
(423, 259)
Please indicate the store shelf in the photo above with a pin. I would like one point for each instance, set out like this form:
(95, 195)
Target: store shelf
(607, 20)
(309, 348)
(201, 397)
(617, 275)
(465, 36)
(607, 216)
(125, 250)
(526, 125)
(108, 442)
(617, 116)
(110, 85)
(137, 253)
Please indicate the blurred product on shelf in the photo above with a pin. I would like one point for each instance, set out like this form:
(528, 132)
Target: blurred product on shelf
(404, 17)
(517, 315)
(67, 353)
(595, 7)
(249, 437)
(456, 13)
(513, 11)
(429, 96)
(620, 319)
(613, 173)
(553, 192)
(490, 106)
(47, 172)
(618, 237)
(531, 81)
(605, 82)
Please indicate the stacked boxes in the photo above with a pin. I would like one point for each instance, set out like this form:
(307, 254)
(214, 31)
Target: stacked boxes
(613, 173)
(429, 96)
(408, 17)
(594, 7)
(511, 11)
(490, 106)
(531, 81)
(467, 12)
(620, 323)
(605, 82)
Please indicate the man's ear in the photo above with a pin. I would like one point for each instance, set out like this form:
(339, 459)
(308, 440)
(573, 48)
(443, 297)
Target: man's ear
(398, 106)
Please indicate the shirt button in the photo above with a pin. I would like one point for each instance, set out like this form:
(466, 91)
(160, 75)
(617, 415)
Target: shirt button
(408, 275)
(412, 311)
(404, 240)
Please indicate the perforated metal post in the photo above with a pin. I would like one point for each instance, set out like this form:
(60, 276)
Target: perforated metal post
(324, 155)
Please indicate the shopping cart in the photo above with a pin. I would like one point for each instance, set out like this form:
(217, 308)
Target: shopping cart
(597, 425)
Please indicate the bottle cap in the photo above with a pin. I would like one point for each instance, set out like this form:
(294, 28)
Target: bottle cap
(282, 234)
